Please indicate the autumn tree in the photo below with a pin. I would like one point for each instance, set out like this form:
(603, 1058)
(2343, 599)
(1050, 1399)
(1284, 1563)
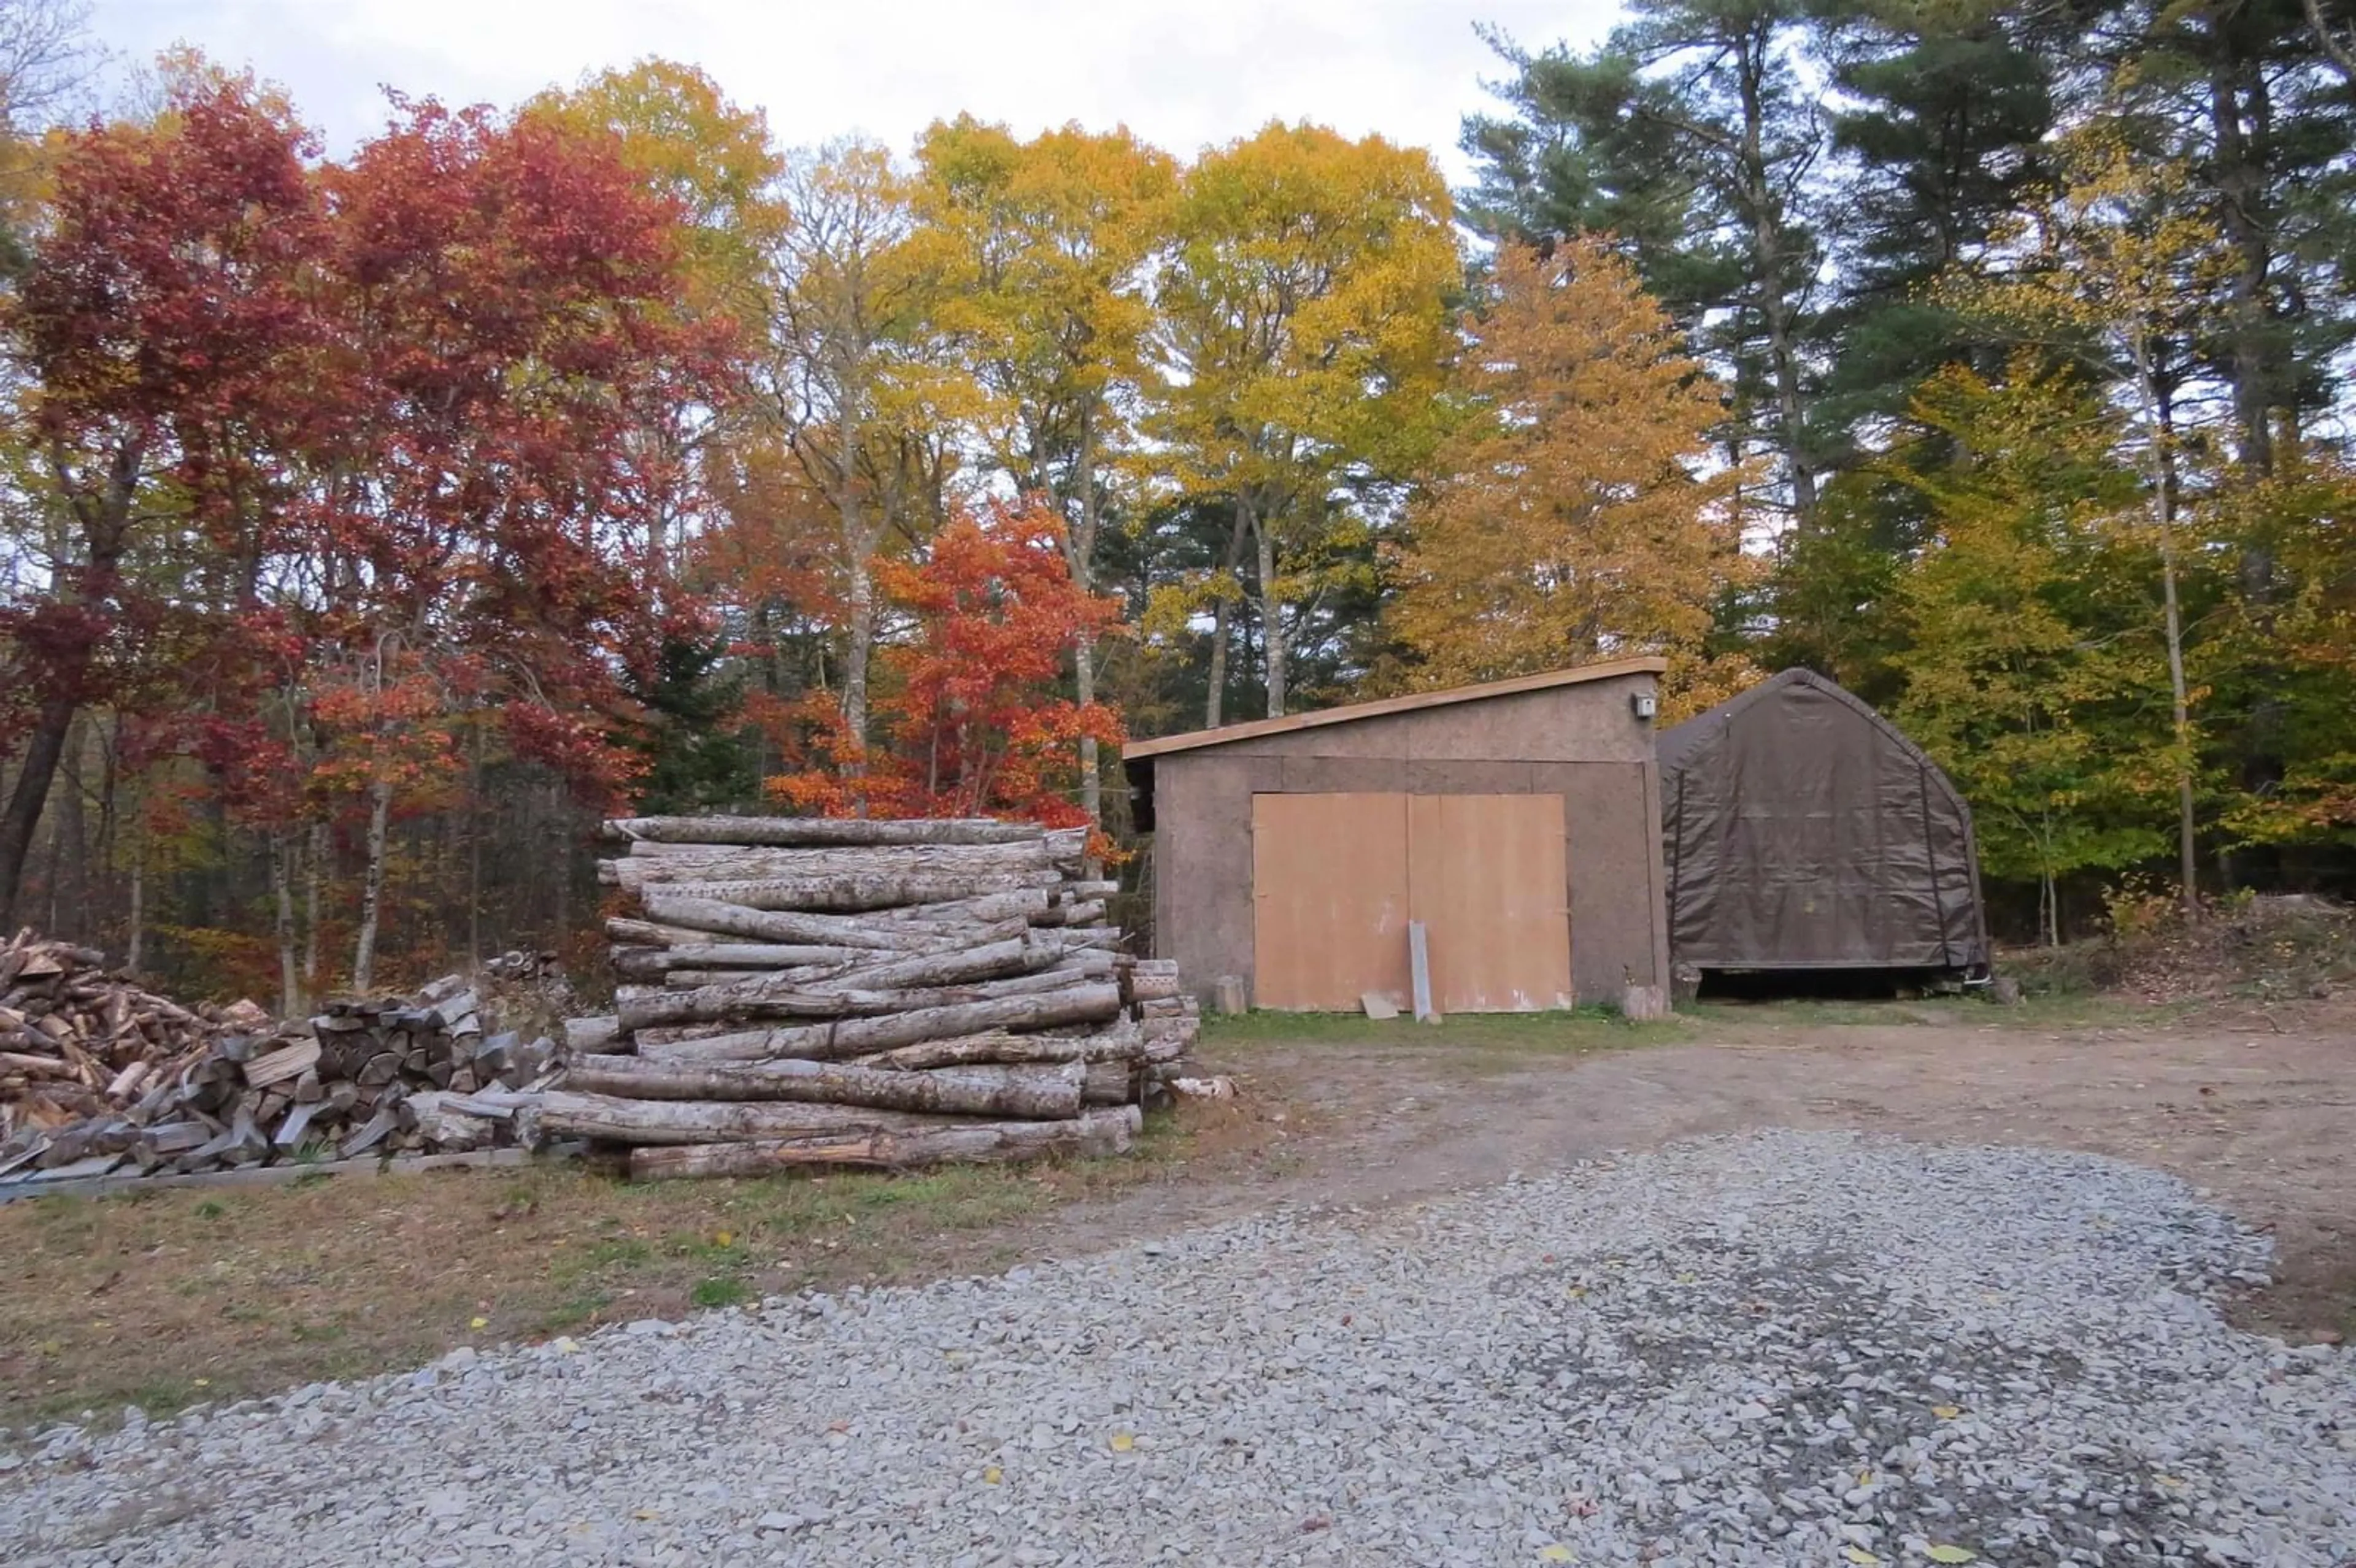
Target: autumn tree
(510, 294)
(2112, 270)
(165, 321)
(1302, 324)
(1575, 514)
(2031, 655)
(860, 381)
(1048, 242)
(975, 723)
(1692, 133)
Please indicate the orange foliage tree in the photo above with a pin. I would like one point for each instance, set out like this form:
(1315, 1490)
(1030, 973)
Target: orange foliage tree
(975, 722)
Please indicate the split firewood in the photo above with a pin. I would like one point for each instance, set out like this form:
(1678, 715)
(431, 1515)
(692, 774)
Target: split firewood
(1098, 1133)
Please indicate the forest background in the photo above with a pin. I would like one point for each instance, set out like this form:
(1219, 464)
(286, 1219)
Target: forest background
(371, 523)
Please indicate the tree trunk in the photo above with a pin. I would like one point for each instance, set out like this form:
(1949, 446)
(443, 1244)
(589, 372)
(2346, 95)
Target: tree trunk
(655, 1021)
(1042, 1092)
(861, 630)
(652, 962)
(1768, 241)
(44, 748)
(372, 884)
(2163, 503)
(860, 1037)
(282, 888)
(1215, 703)
(609, 1119)
(1081, 550)
(314, 861)
(820, 832)
(1097, 1134)
(134, 947)
(840, 896)
(1122, 1041)
(765, 995)
(1271, 616)
(647, 865)
(776, 926)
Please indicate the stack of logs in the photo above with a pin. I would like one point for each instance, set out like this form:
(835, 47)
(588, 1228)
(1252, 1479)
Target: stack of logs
(362, 1078)
(806, 992)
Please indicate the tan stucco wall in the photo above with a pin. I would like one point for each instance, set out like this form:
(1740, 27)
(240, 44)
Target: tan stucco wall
(1580, 741)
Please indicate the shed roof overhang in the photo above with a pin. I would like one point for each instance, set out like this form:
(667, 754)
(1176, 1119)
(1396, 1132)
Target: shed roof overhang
(1136, 757)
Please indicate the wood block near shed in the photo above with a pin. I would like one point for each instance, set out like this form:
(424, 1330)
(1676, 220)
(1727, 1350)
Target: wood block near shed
(1643, 1004)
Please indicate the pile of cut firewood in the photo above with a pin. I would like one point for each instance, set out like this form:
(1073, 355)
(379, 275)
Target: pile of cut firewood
(363, 1077)
(888, 994)
(76, 1041)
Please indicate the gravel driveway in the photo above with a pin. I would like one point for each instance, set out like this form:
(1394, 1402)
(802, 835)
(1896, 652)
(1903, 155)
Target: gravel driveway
(1782, 1348)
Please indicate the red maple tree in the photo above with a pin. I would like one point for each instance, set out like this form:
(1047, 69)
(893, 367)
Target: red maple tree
(973, 722)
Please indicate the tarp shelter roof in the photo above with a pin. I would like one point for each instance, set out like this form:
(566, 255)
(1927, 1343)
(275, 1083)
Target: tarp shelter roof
(1803, 830)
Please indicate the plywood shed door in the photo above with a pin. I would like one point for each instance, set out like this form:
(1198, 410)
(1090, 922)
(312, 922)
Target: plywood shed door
(1336, 877)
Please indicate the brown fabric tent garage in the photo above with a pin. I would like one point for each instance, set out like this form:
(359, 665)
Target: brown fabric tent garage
(1801, 830)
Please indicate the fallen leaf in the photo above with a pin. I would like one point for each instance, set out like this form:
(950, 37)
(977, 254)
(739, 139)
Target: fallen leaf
(1946, 1412)
(1864, 1477)
(1555, 1551)
(723, 1238)
(1859, 1555)
(1952, 1554)
(478, 1323)
(1122, 1442)
(992, 1476)
(566, 1345)
(204, 1382)
(645, 1513)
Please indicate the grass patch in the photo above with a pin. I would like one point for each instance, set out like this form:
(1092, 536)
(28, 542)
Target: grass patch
(1578, 1030)
(112, 1303)
(720, 1290)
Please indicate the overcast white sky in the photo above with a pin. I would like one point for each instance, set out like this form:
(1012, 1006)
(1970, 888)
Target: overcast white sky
(1183, 73)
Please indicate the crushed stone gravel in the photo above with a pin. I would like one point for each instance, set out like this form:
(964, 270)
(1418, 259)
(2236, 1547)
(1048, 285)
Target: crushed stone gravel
(1776, 1349)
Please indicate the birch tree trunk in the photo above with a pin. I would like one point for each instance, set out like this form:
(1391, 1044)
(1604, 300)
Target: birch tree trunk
(372, 883)
(1271, 617)
(1080, 549)
(2163, 507)
(282, 888)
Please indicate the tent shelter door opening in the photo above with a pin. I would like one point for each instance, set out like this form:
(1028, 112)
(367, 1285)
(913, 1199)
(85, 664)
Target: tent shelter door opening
(1337, 877)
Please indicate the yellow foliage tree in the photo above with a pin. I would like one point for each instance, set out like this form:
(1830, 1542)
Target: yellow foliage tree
(1303, 330)
(1046, 244)
(1577, 514)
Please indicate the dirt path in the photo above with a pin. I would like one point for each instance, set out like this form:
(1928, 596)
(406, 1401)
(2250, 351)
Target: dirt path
(2262, 1119)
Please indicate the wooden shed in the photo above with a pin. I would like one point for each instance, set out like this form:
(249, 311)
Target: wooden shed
(1518, 821)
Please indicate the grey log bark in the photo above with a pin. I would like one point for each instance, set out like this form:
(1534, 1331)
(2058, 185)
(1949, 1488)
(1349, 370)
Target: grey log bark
(1098, 1133)
(611, 1119)
(1122, 1041)
(849, 895)
(1271, 616)
(722, 1010)
(652, 933)
(1042, 1091)
(703, 915)
(798, 832)
(858, 1037)
(737, 959)
(590, 1034)
(637, 871)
